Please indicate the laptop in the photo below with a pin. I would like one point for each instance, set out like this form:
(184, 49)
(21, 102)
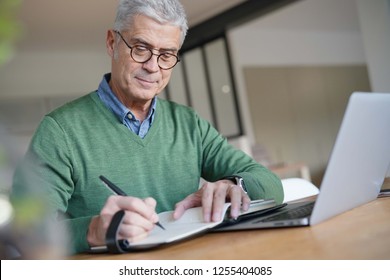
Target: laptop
(356, 169)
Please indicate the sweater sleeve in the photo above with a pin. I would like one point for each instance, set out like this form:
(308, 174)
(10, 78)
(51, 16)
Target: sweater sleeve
(47, 170)
(220, 159)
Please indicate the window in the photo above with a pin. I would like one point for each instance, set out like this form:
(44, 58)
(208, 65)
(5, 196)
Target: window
(204, 81)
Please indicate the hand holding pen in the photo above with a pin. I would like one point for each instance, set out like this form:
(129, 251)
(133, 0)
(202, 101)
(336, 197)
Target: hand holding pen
(118, 191)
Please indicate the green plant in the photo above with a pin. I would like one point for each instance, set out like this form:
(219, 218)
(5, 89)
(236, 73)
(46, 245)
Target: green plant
(10, 28)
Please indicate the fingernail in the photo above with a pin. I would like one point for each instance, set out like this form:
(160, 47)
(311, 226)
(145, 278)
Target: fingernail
(234, 214)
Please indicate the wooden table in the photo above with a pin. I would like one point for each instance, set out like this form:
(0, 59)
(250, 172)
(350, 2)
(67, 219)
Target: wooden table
(361, 233)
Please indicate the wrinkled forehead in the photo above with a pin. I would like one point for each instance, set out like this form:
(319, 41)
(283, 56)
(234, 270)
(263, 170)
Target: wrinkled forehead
(156, 34)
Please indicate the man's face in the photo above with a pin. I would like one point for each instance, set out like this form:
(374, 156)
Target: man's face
(140, 82)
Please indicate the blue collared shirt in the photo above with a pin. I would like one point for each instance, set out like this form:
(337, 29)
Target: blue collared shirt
(123, 114)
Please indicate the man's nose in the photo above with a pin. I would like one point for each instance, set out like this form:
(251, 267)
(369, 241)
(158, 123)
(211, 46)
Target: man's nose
(152, 64)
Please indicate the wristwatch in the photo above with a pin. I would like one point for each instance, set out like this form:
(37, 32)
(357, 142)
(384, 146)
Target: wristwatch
(238, 180)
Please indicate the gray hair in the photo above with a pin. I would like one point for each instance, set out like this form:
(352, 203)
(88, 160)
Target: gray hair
(163, 11)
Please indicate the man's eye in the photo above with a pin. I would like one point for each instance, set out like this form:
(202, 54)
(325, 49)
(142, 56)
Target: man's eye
(166, 56)
(141, 49)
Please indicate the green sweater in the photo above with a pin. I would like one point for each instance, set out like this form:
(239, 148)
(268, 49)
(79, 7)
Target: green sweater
(83, 139)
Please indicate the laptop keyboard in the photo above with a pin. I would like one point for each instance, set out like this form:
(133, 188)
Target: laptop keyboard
(296, 213)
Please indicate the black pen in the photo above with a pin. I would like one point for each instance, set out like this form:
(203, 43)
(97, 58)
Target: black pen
(119, 191)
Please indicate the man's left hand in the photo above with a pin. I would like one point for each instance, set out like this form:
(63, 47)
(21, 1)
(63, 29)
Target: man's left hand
(212, 197)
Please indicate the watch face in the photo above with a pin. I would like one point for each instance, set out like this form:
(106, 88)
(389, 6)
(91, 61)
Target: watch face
(240, 182)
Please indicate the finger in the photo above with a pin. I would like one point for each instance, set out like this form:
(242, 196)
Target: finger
(132, 204)
(239, 199)
(189, 202)
(137, 238)
(246, 201)
(137, 212)
(151, 202)
(136, 220)
(235, 193)
(132, 233)
(207, 201)
(219, 199)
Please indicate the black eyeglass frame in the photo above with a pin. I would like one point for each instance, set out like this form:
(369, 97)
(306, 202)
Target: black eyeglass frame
(151, 54)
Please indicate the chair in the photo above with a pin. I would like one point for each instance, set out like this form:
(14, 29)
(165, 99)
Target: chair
(297, 188)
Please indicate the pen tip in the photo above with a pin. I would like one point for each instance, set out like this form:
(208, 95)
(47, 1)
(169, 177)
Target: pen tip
(160, 225)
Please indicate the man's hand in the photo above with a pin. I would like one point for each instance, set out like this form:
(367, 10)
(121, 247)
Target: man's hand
(212, 197)
(140, 218)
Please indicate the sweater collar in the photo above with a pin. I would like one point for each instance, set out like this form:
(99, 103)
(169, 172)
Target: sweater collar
(112, 102)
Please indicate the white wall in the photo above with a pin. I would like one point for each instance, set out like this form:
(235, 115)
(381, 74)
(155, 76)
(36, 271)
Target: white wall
(312, 32)
(374, 18)
(52, 73)
(316, 32)
(308, 32)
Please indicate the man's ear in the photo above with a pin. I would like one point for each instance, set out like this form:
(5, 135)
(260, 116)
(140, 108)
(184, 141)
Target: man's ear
(110, 42)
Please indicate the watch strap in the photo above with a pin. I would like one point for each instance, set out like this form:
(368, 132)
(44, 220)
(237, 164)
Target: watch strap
(238, 180)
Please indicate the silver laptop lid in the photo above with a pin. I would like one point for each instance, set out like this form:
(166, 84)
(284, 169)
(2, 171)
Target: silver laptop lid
(360, 157)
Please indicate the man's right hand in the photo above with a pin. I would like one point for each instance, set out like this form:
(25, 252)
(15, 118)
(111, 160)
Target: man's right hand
(140, 218)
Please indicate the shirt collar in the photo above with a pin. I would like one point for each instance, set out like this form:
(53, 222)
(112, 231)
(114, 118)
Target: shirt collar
(112, 102)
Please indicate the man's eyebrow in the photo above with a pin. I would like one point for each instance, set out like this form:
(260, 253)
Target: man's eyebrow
(143, 42)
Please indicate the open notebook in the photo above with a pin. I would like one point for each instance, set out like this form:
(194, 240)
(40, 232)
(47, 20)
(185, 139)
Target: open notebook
(189, 225)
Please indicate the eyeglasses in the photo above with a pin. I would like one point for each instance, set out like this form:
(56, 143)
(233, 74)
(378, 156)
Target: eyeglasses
(142, 54)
